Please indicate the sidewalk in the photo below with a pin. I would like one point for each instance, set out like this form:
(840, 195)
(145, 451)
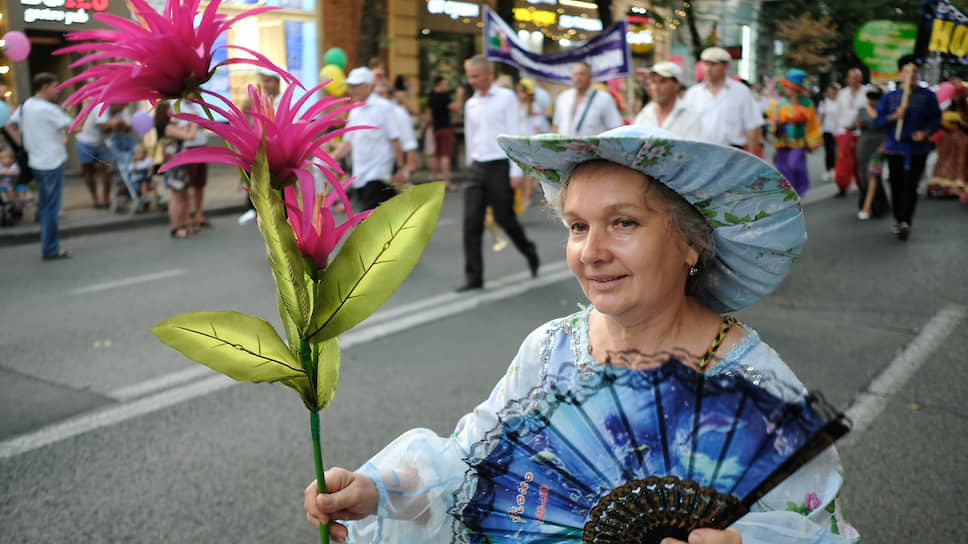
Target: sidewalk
(222, 196)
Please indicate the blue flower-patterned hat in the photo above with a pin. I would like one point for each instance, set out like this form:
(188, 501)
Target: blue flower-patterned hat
(757, 221)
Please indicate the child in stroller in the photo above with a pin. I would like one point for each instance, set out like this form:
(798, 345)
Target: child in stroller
(142, 177)
(13, 196)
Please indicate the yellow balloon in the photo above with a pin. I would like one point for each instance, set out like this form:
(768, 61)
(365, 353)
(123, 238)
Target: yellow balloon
(337, 86)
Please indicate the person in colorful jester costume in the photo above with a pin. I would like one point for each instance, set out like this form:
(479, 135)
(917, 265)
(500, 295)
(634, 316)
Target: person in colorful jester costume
(797, 131)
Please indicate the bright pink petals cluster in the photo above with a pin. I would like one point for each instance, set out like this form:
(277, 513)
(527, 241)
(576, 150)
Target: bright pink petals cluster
(312, 218)
(292, 137)
(159, 56)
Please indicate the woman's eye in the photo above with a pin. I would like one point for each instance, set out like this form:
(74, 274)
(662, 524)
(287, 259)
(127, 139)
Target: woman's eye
(578, 227)
(625, 222)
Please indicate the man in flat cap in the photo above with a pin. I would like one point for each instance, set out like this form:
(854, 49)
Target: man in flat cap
(728, 109)
(666, 110)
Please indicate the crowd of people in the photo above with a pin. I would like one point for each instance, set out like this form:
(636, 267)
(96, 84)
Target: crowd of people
(853, 124)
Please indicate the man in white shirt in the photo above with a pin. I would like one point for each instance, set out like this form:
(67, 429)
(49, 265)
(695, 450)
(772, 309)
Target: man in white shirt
(408, 139)
(374, 151)
(583, 110)
(490, 111)
(269, 81)
(730, 115)
(41, 128)
(666, 110)
(850, 99)
(94, 157)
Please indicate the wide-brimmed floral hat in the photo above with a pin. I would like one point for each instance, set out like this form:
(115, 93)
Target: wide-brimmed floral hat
(757, 221)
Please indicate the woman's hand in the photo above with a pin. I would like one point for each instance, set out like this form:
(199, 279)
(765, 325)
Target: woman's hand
(709, 536)
(351, 496)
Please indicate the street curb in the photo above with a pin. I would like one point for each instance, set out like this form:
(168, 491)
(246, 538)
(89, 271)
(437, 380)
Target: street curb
(113, 224)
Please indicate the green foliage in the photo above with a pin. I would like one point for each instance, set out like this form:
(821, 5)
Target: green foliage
(848, 16)
(288, 268)
(374, 261)
(242, 347)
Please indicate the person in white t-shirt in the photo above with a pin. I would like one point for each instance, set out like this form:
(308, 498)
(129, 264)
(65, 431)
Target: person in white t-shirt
(827, 110)
(583, 110)
(730, 115)
(408, 138)
(95, 158)
(40, 126)
(374, 150)
(666, 110)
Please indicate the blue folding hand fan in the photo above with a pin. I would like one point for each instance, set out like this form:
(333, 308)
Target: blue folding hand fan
(634, 456)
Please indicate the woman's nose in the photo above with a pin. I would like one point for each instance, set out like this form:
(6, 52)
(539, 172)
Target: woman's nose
(595, 247)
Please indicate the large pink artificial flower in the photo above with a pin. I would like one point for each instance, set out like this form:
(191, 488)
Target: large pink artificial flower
(159, 56)
(311, 217)
(292, 139)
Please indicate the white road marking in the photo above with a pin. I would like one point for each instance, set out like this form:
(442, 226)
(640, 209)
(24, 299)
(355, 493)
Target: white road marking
(869, 404)
(171, 389)
(128, 281)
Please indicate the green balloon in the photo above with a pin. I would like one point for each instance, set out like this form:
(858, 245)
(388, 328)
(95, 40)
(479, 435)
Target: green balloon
(335, 56)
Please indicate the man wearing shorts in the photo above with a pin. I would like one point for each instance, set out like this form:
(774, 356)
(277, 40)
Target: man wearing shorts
(441, 104)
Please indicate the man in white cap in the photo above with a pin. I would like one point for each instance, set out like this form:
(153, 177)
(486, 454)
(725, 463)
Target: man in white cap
(374, 150)
(728, 109)
(269, 81)
(584, 110)
(666, 110)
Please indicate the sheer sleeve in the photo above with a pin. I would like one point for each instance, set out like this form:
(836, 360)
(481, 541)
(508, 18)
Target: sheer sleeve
(418, 473)
(805, 507)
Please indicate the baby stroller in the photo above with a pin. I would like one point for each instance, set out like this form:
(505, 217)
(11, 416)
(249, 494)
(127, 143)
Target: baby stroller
(126, 197)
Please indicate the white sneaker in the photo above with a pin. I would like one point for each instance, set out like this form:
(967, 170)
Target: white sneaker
(247, 217)
(863, 216)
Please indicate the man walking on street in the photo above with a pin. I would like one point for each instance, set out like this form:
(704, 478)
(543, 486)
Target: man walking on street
(849, 100)
(375, 149)
(666, 110)
(730, 115)
(491, 111)
(910, 114)
(41, 127)
(583, 110)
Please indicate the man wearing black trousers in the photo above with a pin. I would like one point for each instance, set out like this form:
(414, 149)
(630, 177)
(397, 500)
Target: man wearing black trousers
(916, 110)
(491, 111)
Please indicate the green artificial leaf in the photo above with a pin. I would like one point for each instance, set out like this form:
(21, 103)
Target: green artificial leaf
(243, 347)
(327, 373)
(301, 385)
(375, 260)
(284, 255)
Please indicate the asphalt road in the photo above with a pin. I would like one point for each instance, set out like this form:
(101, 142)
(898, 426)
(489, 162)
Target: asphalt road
(108, 436)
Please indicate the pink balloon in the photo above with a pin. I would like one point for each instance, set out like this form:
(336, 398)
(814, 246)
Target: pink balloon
(699, 72)
(17, 45)
(944, 92)
(142, 122)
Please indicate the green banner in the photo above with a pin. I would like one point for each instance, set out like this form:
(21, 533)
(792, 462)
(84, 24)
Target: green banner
(880, 43)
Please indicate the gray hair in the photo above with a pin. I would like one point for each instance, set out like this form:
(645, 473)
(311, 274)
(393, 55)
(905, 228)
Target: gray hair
(686, 219)
(479, 61)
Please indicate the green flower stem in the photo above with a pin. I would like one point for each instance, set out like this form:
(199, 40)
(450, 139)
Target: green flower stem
(310, 363)
(320, 477)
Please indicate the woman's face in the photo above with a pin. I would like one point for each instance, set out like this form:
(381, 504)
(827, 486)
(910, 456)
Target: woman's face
(622, 246)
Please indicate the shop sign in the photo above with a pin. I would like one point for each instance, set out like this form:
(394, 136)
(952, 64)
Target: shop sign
(62, 15)
(538, 17)
(581, 23)
(453, 9)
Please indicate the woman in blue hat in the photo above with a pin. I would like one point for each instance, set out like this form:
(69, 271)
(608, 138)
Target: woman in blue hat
(666, 236)
(797, 131)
